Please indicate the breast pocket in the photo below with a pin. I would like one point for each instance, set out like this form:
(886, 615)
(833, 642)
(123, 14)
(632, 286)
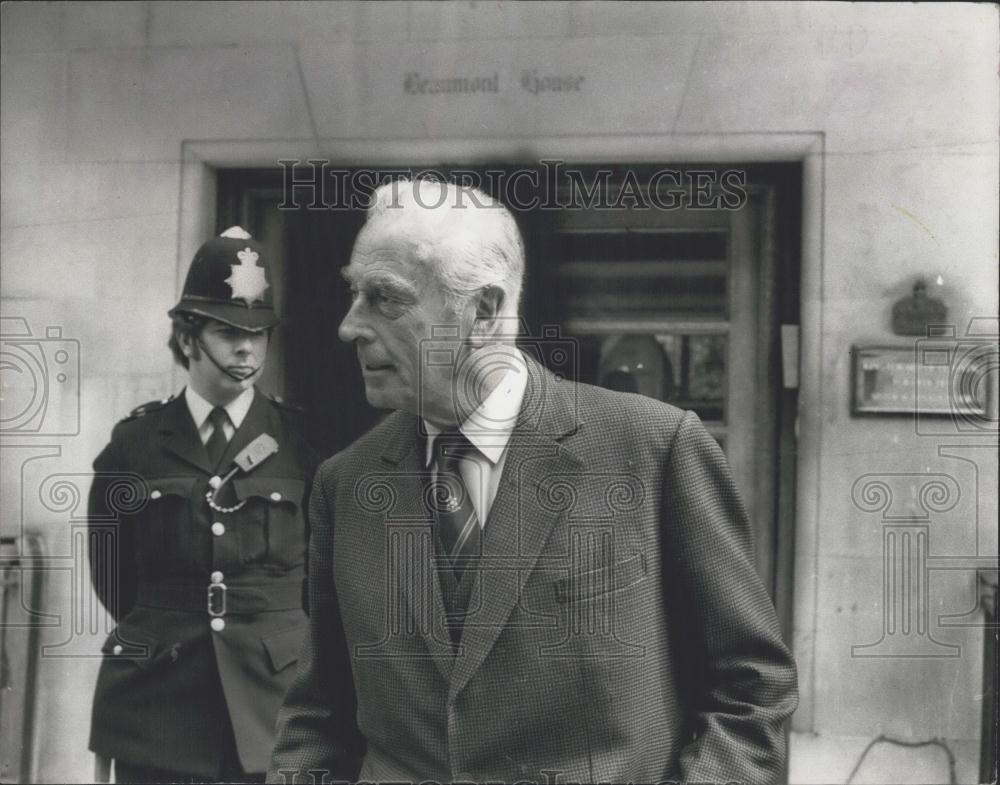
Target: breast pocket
(603, 619)
(271, 525)
(604, 580)
(164, 531)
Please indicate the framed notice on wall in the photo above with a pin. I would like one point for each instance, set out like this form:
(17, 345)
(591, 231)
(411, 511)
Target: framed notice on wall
(920, 379)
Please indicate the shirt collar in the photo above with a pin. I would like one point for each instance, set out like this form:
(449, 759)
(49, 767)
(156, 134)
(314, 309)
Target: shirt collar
(490, 426)
(236, 409)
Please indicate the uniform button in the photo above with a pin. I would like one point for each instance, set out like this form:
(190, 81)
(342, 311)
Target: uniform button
(215, 481)
(117, 649)
(155, 495)
(218, 625)
(275, 496)
(217, 577)
(218, 529)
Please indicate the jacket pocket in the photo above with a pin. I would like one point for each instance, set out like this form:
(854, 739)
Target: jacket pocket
(162, 488)
(271, 524)
(283, 647)
(613, 577)
(129, 644)
(277, 490)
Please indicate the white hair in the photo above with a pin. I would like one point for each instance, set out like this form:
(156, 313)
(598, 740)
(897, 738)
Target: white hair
(468, 239)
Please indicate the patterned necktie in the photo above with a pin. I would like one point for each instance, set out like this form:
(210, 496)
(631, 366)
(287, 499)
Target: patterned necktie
(217, 442)
(457, 522)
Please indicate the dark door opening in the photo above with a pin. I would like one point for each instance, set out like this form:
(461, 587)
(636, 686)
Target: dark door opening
(685, 304)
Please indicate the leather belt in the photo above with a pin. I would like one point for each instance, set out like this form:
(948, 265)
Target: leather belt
(218, 599)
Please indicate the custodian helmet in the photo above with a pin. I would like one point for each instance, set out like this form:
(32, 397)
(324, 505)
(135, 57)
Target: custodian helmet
(229, 281)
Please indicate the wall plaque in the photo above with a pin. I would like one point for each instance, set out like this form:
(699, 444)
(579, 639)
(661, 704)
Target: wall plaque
(922, 379)
(913, 315)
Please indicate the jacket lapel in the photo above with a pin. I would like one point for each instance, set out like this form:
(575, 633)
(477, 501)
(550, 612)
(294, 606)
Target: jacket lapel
(409, 520)
(520, 522)
(181, 436)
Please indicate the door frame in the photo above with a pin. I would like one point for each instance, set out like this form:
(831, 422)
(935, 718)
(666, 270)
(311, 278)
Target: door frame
(196, 220)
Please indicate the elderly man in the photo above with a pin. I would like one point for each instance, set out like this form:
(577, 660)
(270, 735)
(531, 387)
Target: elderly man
(515, 577)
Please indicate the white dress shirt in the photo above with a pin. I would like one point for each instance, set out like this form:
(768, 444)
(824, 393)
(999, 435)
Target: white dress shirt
(488, 429)
(200, 409)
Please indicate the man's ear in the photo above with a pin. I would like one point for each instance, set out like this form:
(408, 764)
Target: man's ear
(489, 305)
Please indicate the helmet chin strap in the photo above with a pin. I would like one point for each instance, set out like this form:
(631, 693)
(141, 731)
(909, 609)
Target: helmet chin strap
(226, 371)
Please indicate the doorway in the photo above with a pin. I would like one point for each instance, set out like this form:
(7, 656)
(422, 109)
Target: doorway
(684, 303)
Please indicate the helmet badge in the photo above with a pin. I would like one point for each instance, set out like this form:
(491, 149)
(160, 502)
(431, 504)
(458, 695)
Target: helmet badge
(247, 280)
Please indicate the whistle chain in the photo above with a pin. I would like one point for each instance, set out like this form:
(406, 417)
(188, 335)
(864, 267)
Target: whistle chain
(215, 484)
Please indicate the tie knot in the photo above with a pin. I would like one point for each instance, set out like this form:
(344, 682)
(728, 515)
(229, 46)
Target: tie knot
(218, 417)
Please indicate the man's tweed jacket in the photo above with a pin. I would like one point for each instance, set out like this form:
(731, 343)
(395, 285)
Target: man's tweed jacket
(618, 630)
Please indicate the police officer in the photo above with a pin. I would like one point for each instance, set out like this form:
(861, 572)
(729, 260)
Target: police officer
(197, 544)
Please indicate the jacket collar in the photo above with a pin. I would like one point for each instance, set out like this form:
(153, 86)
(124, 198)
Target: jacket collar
(181, 435)
(490, 426)
(236, 409)
(548, 408)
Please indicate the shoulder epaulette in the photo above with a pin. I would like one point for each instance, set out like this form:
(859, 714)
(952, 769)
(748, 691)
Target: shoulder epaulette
(146, 408)
(281, 403)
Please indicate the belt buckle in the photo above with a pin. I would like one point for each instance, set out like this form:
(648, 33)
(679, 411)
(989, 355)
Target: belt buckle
(216, 598)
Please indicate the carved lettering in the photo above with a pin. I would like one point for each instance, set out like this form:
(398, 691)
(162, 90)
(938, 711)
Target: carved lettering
(414, 83)
(546, 83)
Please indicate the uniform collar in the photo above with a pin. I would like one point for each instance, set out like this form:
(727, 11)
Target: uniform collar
(236, 409)
(489, 427)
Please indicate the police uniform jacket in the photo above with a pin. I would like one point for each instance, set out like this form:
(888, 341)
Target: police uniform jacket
(188, 655)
